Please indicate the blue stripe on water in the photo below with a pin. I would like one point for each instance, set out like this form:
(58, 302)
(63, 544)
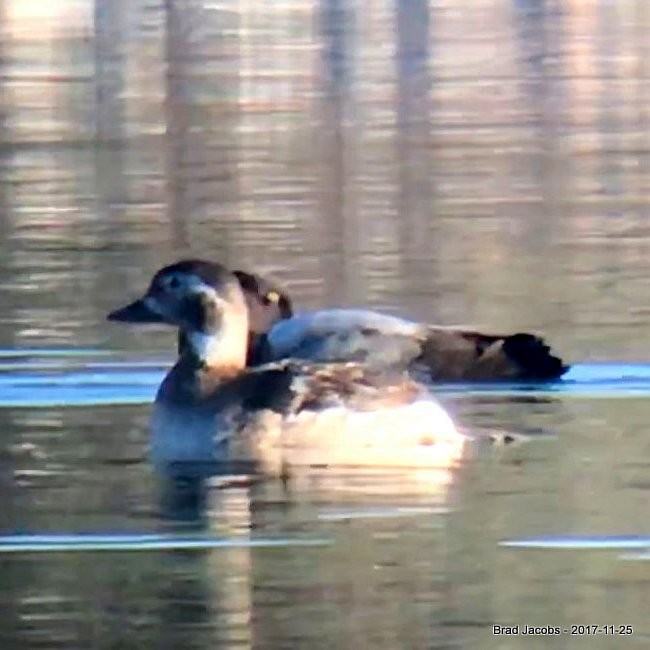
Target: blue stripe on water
(29, 382)
(615, 542)
(587, 380)
(140, 542)
(52, 352)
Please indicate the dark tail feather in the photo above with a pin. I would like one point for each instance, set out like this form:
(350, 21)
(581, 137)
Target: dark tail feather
(534, 357)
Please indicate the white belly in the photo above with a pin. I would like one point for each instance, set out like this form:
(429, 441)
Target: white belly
(417, 435)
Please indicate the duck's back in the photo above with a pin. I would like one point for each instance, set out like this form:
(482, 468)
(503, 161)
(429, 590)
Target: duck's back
(438, 353)
(346, 335)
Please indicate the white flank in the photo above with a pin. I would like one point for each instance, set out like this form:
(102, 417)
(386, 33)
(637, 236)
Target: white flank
(287, 334)
(419, 435)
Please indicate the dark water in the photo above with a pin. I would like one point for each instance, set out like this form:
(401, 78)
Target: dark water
(486, 164)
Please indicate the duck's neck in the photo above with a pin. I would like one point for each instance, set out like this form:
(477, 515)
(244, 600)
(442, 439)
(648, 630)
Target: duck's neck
(222, 351)
(259, 350)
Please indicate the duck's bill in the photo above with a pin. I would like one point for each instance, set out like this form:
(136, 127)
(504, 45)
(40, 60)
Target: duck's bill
(136, 312)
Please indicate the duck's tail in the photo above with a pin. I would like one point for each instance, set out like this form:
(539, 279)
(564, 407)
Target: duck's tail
(450, 354)
(533, 357)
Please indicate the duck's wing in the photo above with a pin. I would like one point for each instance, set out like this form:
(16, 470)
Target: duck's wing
(292, 386)
(453, 354)
(346, 335)
(301, 413)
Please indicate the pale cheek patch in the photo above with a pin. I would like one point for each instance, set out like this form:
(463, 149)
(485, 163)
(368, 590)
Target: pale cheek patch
(152, 305)
(205, 346)
(211, 316)
(200, 310)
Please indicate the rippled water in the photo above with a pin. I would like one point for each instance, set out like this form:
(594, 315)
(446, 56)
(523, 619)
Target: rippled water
(361, 557)
(486, 164)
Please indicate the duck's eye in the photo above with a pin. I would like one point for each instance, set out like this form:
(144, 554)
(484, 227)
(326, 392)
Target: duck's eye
(271, 298)
(173, 283)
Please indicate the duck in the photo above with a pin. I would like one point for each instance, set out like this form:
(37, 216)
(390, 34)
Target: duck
(213, 406)
(429, 352)
(267, 304)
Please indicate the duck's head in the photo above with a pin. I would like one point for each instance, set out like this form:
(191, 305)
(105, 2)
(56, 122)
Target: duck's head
(191, 294)
(204, 300)
(267, 303)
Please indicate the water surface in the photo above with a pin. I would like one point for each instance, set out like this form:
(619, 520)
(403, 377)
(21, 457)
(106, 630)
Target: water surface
(484, 164)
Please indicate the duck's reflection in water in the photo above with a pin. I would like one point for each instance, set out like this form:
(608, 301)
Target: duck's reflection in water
(376, 584)
(206, 598)
(183, 489)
